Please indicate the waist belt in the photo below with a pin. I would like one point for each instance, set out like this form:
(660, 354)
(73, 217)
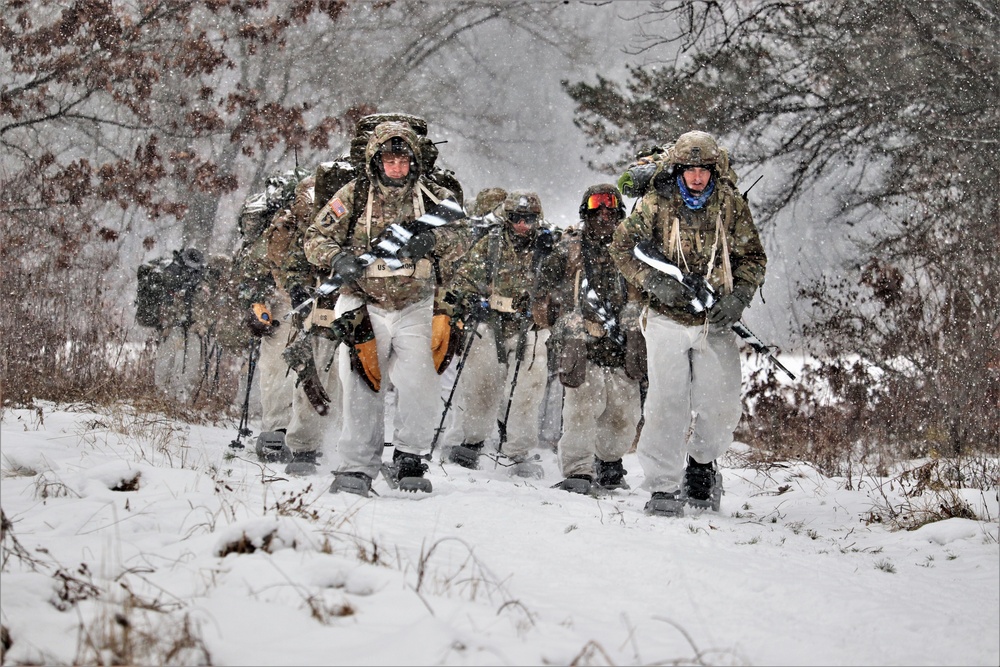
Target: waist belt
(503, 304)
(319, 317)
(423, 269)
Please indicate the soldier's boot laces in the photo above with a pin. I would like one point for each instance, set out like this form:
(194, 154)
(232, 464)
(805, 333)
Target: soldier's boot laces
(703, 485)
(611, 474)
(466, 455)
(410, 470)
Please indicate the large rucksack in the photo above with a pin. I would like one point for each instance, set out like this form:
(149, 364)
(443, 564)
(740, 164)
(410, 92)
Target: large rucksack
(165, 289)
(331, 176)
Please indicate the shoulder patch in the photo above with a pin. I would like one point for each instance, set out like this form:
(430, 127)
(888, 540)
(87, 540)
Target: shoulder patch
(338, 208)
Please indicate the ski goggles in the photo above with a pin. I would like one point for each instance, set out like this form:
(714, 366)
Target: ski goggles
(526, 218)
(605, 199)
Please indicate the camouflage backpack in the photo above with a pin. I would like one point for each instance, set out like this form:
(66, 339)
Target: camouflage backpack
(331, 176)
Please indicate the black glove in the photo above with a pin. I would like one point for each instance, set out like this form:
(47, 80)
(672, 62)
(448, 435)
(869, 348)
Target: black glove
(635, 355)
(545, 241)
(573, 363)
(298, 295)
(346, 266)
(418, 245)
(667, 291)
(729, 309)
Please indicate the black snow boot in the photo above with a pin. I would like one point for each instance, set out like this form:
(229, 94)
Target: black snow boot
(410, 471)
(302, 464)
(575, 484)
(703, 485)
(466, 454)
(610, 474)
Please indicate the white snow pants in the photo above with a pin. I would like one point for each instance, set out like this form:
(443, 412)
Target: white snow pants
(694, 385)
(599, 417)
(403, 341)
(276, 383)
(484, 388)
(308, 430)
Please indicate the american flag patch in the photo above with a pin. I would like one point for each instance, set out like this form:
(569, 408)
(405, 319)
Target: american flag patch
(338, 207)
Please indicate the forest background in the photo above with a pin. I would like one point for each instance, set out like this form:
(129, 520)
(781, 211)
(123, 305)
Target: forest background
(132, 129)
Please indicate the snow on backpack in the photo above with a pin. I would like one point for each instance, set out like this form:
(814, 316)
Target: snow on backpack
(166, 287)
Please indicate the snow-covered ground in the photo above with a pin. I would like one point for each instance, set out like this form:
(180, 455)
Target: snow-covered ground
(142, 539)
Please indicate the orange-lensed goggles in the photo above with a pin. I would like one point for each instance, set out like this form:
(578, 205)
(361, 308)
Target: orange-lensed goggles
(599, 199)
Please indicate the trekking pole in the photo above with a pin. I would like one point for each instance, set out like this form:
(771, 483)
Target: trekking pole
(473, 331)
(243, 429)
(522, 342)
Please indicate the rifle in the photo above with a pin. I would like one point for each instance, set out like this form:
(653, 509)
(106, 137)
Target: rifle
(388, 244)
(702, 295)
(603, 311)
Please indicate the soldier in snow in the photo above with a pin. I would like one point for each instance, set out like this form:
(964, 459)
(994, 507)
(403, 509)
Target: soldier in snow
(502, 284)
(388, 310)
(694, 215)
(601, 352)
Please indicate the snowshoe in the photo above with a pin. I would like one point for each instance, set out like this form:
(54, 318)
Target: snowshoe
(610, 474)
(410, 471)
(703, 485)
(575, 484)
(528, 468)
(271, 447)
(357, 483)
(302, 464)
(664, 503)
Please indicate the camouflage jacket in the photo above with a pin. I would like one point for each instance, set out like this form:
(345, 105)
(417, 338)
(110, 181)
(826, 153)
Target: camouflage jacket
(515, 281)
(691, 240)
(347, 214)
(254, 277)
(285, 248)
(578, 262)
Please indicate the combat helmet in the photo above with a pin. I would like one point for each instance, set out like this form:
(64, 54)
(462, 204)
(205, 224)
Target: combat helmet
(602, 194)
(523, 202)
(392, 137)
(695, 148)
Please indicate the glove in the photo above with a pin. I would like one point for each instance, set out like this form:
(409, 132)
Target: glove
(545, 241)
(442, 341)
(298, 295)
(259, 320)
(358, 335)
(635, 355)
(729, 309)
(573, 362)
(667, 291)
(418, 245)
(347, 266)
